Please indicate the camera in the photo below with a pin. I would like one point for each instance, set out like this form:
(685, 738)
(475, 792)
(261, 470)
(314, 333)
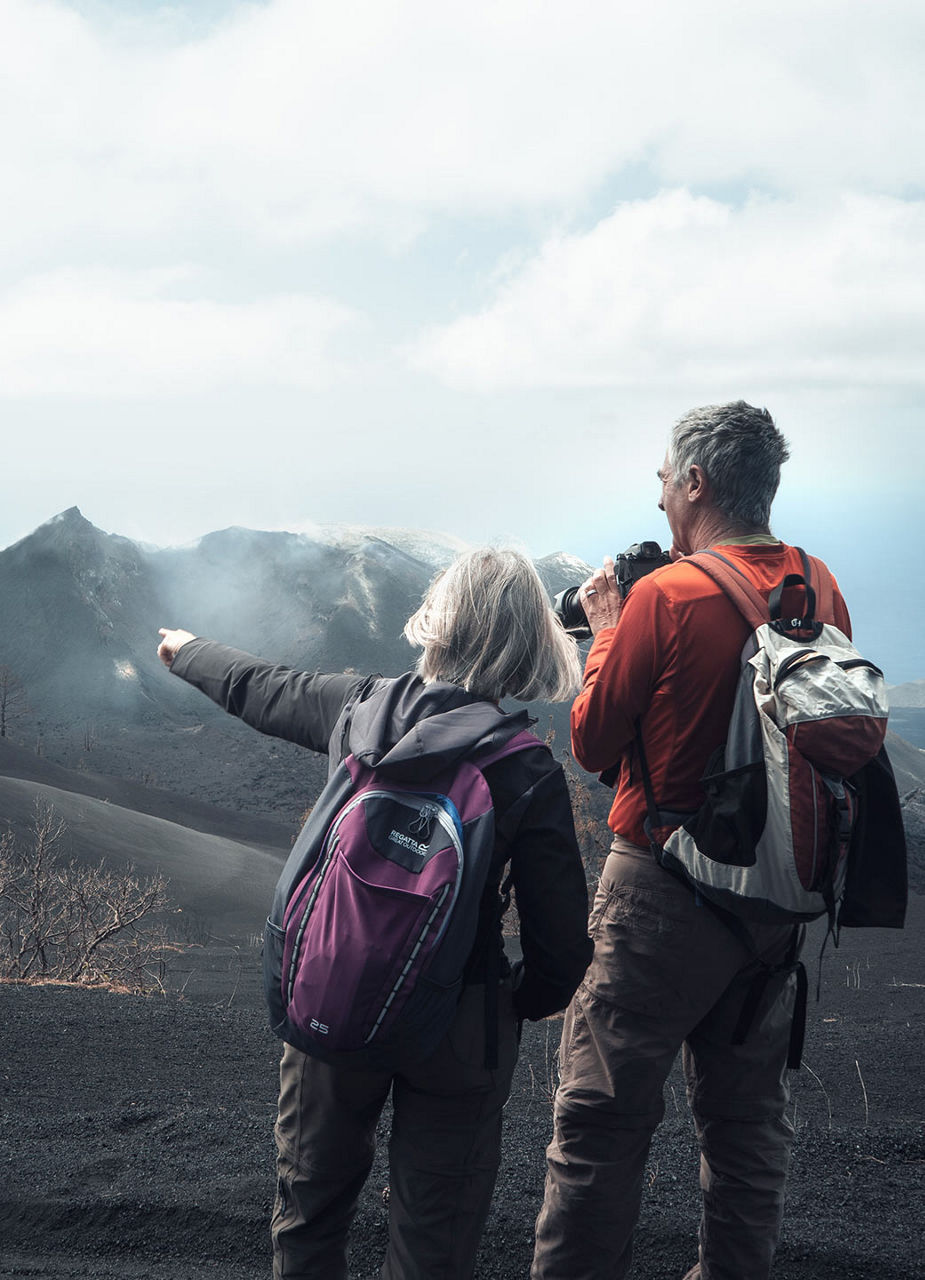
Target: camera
(631, 565)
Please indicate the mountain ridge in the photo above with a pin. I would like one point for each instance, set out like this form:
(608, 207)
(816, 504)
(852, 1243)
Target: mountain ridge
(908, 695)
(81, 612)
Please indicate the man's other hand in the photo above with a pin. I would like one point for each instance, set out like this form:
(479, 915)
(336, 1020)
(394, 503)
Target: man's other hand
(600, 598)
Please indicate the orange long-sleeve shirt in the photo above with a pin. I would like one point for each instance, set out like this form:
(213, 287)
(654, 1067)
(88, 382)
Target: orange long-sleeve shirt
(672, 662)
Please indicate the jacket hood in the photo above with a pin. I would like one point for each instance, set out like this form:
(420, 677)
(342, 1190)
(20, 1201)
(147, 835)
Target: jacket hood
(410, 730)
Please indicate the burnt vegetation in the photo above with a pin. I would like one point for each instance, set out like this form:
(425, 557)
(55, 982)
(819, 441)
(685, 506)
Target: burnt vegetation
(61, 921)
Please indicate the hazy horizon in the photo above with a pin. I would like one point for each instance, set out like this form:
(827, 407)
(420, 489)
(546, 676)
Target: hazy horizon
(895, 648)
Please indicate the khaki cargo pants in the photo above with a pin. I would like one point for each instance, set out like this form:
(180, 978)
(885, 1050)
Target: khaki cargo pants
(444, 1152)
(667, 974)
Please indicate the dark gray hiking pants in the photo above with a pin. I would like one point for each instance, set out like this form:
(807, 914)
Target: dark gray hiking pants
(444, 1152)
(666, 973)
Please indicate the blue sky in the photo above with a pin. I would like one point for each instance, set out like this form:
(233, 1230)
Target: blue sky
(460, 266)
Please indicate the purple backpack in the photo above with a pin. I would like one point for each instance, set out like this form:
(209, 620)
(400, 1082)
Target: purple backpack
(376, 912)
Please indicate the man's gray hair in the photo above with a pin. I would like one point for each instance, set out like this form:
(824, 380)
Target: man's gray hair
(741, 452)
(486, 624)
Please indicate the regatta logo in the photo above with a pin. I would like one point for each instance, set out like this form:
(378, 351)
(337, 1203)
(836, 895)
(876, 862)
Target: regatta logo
(399, 837)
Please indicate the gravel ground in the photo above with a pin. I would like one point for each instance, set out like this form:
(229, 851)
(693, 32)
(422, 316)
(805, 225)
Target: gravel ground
(135, 1137)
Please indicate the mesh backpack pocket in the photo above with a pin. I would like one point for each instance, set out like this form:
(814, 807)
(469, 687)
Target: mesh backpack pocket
(364, 921)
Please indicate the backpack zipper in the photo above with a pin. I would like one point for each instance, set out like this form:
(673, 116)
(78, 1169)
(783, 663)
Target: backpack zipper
(812, 878)
(812, 655)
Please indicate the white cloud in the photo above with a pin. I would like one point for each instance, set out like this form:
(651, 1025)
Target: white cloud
(691, 291)
(290, 121)
(134, 334)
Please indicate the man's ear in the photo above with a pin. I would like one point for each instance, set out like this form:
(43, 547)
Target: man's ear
(697, 484)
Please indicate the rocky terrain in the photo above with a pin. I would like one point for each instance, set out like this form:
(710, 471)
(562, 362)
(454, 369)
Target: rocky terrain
(136, 1131)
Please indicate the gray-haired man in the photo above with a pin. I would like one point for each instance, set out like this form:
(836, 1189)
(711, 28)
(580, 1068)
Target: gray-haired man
(668, 974)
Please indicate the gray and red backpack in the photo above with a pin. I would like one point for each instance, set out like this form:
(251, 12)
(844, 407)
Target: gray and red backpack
(801, 789)
(801, 816)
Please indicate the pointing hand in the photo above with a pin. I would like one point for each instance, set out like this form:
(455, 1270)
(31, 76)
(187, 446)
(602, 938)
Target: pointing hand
(171, 643)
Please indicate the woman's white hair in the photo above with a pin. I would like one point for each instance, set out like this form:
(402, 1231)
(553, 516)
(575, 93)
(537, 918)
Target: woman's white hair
(486, 624)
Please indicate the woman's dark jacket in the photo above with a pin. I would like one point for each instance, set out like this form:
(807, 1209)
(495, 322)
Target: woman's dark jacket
(533, 818)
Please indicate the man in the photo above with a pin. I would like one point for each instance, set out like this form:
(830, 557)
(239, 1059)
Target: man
(668, 972)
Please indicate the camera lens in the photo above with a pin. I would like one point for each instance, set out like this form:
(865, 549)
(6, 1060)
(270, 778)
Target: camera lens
(567, 608)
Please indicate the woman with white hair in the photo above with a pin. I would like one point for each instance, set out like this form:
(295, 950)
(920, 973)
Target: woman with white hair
(487, 632)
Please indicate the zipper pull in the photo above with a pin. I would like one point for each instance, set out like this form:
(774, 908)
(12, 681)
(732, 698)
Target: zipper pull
(422, 823)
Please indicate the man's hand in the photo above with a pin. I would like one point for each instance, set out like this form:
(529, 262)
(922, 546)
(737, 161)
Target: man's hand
(600, 598)
(171, 644)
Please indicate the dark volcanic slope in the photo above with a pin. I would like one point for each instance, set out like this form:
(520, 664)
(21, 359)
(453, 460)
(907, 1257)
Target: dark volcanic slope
(221, 865)
(17, 762)
(135, 1135)
(229, 882)
(81, 613)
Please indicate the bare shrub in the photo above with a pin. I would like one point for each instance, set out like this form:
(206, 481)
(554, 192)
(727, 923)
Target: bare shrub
(60, 921)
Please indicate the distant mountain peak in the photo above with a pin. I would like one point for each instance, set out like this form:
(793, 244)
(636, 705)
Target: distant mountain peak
(67, 527)
(70, 522)
(72, 515)
(72, 539)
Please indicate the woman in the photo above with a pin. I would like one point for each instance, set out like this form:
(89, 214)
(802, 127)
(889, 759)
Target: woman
(487, 632)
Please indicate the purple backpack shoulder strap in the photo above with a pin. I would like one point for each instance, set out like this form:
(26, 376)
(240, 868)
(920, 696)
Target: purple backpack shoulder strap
(519, 742)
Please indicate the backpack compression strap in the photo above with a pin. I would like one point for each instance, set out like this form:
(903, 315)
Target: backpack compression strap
(823, 584)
